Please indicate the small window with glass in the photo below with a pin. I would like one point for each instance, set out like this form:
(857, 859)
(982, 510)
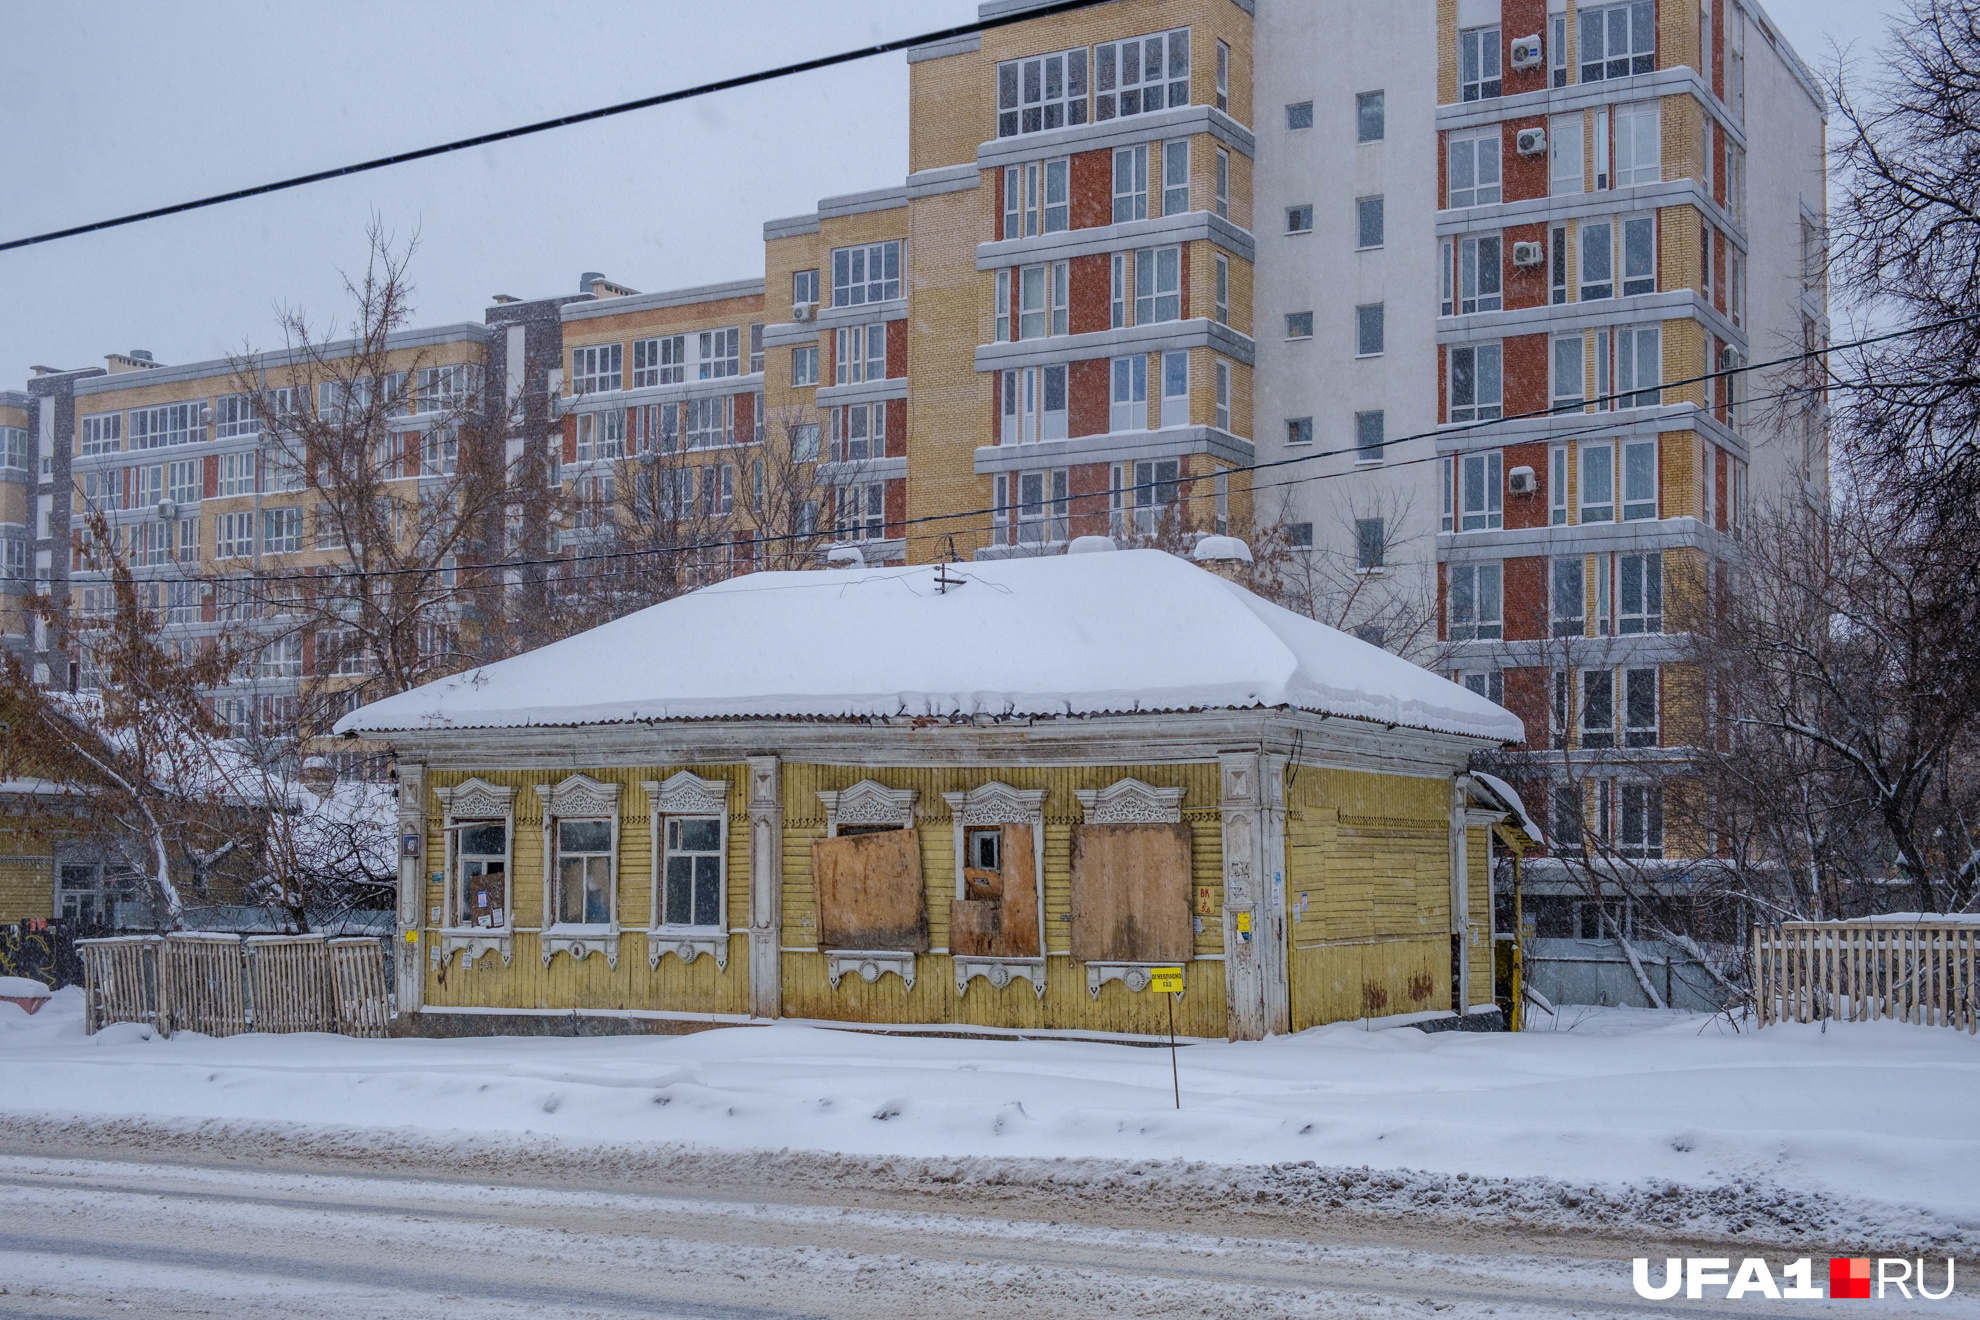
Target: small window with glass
(692, 880)
(481, 864)
(584, 873)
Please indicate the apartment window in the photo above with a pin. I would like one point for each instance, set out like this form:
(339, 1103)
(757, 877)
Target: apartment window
(1618, 40)
(182, 481)
(1602, 172)
(711, 422)
(1642, 821)
(1639, 480)
(1639, 144)
(234, 415)
(1564, 827)
(718, 490)
(1481, 492)
(1142, 75)
(1640, 593)
(1130, 394)
(859, 432)
(1487, 683)
(1300, 115)
(1043, 295)
(861, 511)
(1033, 508)
(721, 353)
(584, 873)
(1476, 595)
(1034, 405)
(1598, 261)
(1476, 383)
(693, 876)
(804, 288)
(1299, 325)
(804, 365)
(1567, 595)
(1478, 64)
(281, 531)
(755, 347)
(1557, 263)
(1042, 93)
(1299, 430)
(1223, 374)
(1557, 50)
(1299, 219)
(1175, 177)
(1567, 168)
(657, 427)
(1370, 117)
(1368, 433)
(1223, 183)
(1598, 708)
(1368, 222)
(1639, 366)
(859, 353)
(1175, 389)
(233, 536)
(1474, 168)
(596, 369)
(280, 658)
(663, 361)
(1223, 290)
(1157, 285)
(1299, 536)
(103, 433)
(1156, 488)
(1569, 372)
(1598, 483)
(1369, 544)
(1131, 184)
(1037, 198)
(1639, 251)
(1481, 274)
(1223, 76)
(869, 273)
(444, 389)
(173, 424)
(1118, 297)
(804, 443)
(1640, 708)
(1369, 322)
(440, 448)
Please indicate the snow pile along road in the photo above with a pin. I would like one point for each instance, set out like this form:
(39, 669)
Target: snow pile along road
(1661, 1117)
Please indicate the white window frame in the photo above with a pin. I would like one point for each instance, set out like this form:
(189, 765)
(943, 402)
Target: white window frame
(853, 282)
(1467, 157)
(1481, 491)
(597, 368)
(1639, 143)
(1595, 488)
(804, 366)
(1131, 183)
(1128, 394)
(1620, 49)
(1027, 395)
(1639, 480)
(1175, 177)
(1481, 64)
(1041, 93)
(1567, 173)
(1477, 602)
(1223, 378)
(1488, 370)
(859, 353)
(718, 353)
(1640, 608)
(1637, 255)
(1114, 96)
(1639, 366)
(1481, 274)
(1157, 285)
(102, 433)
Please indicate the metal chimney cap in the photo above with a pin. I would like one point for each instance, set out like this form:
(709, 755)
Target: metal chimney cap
(586, 280)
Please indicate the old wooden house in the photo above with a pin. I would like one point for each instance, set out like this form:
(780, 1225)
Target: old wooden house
(985, 796)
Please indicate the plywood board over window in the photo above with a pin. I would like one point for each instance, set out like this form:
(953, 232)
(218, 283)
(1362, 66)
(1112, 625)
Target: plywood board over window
(1130, 893)
(869, 892)
(999, 919)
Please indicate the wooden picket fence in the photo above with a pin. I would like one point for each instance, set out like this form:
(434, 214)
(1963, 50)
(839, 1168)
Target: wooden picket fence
(221, 985)
(1917, 970)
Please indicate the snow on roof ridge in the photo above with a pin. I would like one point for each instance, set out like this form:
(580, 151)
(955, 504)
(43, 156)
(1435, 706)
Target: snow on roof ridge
(1137, 631)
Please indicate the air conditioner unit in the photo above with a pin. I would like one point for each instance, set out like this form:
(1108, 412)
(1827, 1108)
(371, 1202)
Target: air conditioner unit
(1520, 481)
(802, 311)
(1529, 52)
(1528, 254)
(1532, 141)
(167, 511)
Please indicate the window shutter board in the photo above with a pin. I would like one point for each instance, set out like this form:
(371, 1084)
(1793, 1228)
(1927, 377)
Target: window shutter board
(869, 892)
(1131, 893)
(1020, 897)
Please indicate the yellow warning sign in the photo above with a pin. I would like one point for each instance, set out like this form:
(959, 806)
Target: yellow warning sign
(1165, 980)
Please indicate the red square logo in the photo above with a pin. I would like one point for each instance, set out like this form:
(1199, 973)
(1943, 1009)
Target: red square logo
(1849, 1277)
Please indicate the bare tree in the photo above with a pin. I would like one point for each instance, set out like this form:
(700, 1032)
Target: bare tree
(1368, 580)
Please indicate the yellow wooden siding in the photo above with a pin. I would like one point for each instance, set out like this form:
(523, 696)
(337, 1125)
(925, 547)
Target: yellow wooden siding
(27, 888)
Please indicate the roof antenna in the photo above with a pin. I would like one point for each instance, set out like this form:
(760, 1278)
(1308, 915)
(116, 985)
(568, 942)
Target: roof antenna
(954, 558)
(943, 581)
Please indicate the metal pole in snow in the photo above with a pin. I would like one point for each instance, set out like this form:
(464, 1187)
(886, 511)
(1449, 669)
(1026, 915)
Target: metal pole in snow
(1174, 1076)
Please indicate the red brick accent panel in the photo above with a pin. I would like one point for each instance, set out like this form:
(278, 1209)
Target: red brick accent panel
(1526, 374)
(1092, 294)
(1527, 510)
(896, 426)
(897, 363)
(745, 416)
(997, 182)
(1443, 382)
(210, 476)
(1088, 409)
(895, 502)
(1719, 474)
(570, 438)
(1525, 286)
(1092, 189)
(1443, 602)
(1526, 598)
(1185, 281)
(1087, 486)
(1526, 697)
(1522, 18)
(1526, 176)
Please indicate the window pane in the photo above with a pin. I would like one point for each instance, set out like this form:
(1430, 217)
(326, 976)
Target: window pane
(584, 835)
(483, 840)
(699, 834)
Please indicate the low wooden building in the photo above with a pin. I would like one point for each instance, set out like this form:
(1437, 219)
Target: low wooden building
(983, 796)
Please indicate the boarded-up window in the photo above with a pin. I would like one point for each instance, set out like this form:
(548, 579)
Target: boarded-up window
(869, 893)
(999, 916)
(1130, 893)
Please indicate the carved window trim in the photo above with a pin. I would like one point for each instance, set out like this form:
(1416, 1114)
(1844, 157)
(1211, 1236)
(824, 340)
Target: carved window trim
(868, 803)
(998, 803)
(476, 799)
(685, 794)
(1131, 802)
(579, 797)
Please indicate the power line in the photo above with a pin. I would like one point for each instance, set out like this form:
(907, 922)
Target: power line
(563, 121)
(1567, 409)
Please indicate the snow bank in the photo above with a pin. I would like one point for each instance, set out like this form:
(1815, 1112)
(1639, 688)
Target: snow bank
(20, 987)
(1138, 630)
(1877, 1112)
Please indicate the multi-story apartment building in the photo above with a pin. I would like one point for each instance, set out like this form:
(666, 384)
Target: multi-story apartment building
(17, 489)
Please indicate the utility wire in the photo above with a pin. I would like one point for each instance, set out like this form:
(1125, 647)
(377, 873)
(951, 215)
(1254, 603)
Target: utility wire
(1577, 407)
(562, 121)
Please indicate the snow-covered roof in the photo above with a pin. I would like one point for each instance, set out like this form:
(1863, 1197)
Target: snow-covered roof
(1134, 630)
(1510, 797)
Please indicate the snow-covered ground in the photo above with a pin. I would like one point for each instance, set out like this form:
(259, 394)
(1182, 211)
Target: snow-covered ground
(1865, 1115)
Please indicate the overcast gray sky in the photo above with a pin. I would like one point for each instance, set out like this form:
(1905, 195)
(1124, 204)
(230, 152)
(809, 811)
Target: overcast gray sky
(109, 108)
